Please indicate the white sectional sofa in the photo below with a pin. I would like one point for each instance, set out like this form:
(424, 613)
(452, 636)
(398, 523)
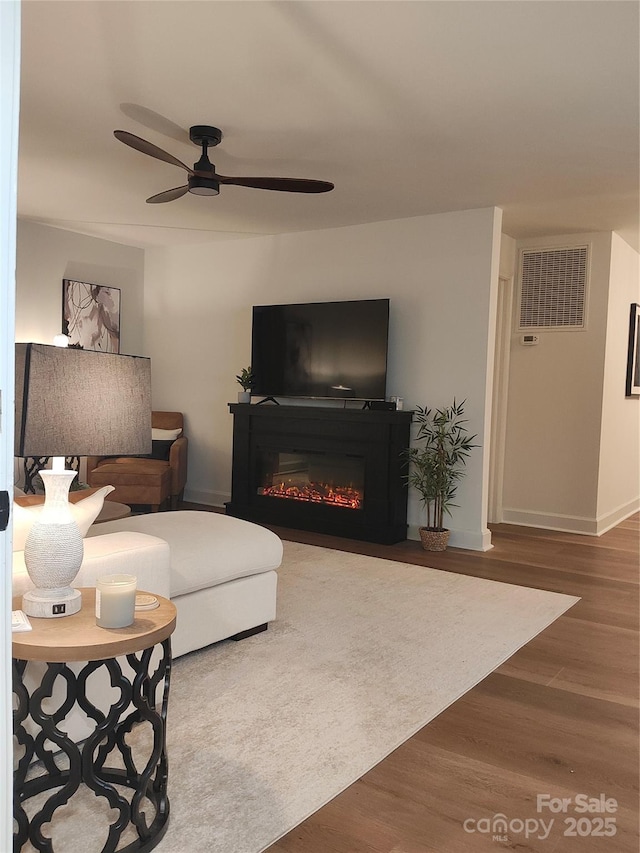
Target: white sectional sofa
(219, 571)
(223, 577)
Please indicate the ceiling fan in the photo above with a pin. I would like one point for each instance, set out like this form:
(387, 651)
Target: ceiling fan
(203, 178)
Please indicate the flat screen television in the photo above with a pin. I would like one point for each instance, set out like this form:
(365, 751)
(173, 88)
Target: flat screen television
(333, 350)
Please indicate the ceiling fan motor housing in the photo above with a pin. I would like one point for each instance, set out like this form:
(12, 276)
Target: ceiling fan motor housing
(200, 133)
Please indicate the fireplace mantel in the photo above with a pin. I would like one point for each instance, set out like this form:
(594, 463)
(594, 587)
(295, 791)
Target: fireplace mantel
(288, 462)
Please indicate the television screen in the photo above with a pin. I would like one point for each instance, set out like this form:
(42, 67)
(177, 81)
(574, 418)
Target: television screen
(321, 349)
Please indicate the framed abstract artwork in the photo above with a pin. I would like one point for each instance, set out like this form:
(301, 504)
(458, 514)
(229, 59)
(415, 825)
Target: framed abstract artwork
(633, 352)
(91, 315)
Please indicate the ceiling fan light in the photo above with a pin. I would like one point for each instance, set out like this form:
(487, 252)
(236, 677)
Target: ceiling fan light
(203, 186)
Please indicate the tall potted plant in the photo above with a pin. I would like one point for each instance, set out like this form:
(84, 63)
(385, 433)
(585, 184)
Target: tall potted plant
(436, 466)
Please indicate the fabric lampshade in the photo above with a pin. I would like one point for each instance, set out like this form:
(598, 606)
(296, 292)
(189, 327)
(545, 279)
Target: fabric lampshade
(72, 402)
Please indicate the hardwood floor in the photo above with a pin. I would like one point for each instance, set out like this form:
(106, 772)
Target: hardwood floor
(559, 718)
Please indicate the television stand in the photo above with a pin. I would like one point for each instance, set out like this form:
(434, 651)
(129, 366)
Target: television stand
(268, 400)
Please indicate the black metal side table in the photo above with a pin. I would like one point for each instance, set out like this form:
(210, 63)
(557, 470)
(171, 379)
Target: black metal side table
(52, 761)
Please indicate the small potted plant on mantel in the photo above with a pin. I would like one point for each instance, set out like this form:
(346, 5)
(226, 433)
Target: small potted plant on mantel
(437, 466)
(245, 379)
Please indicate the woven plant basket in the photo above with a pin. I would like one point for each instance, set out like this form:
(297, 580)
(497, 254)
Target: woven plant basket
(434, 540)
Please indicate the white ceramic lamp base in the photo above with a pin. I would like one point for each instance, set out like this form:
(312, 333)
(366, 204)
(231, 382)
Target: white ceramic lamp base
(53, 552)
(49, 603)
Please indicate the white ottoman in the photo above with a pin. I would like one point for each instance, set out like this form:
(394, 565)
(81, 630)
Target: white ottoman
(223, 578)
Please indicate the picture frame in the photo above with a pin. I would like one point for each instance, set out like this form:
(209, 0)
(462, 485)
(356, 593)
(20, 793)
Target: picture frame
(91, 315)
(633, 352)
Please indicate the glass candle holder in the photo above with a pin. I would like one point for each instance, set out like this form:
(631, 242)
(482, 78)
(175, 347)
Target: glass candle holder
(115, 601)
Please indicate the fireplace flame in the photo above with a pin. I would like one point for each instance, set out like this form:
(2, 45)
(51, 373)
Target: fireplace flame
(321, 493)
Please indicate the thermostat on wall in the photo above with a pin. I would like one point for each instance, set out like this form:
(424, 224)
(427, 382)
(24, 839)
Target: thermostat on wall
(529, 340)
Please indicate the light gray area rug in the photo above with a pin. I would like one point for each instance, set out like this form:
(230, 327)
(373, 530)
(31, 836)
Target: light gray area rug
(363, 654)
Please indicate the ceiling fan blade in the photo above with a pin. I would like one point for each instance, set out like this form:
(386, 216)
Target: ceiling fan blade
(148, 148)
(286, 185)
(168, 195)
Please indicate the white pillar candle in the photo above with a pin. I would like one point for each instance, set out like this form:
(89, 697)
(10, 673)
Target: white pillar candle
(115, 601)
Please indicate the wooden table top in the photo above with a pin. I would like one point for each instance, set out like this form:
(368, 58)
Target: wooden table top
(78, 638)
(112, 511)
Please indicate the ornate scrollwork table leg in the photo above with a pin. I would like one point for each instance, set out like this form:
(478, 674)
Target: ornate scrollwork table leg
(88, 763)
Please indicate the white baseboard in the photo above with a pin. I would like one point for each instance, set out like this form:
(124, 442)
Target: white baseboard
(611, 519)
(468, 539)
(206, 497)
(550, 521)
(571, 523)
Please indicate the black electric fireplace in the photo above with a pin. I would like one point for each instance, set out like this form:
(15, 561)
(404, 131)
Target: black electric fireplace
(329, 470)
(314, 476)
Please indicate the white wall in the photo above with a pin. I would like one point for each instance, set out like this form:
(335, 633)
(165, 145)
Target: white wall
(555, 417)
(508, 256)
(440, 273)
(571, 449)
(9, 108)
(47, 255)
(619, 469)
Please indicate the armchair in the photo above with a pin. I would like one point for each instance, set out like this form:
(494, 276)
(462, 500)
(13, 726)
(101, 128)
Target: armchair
(147, 480)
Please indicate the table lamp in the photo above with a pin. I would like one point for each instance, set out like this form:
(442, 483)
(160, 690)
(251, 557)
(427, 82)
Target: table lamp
(72, 402)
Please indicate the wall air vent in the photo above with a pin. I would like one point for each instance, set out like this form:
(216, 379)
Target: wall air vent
(553, 288)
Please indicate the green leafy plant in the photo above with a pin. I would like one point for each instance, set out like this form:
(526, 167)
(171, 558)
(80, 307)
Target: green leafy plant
(436, 463)
(245, 378)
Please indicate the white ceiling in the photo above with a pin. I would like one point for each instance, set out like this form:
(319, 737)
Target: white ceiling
(410, 108)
